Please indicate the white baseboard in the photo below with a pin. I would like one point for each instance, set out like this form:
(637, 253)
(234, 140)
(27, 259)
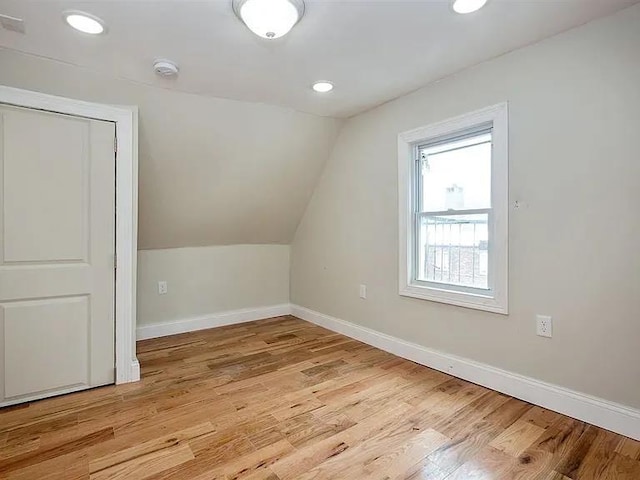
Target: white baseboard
(231, 317)
(602, 413)
(135, 371)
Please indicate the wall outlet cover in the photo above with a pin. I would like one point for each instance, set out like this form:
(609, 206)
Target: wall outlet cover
(544, 326)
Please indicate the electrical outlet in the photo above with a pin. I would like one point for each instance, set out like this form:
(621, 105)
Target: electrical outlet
(544, 326)
(162, 287)
(363, 291)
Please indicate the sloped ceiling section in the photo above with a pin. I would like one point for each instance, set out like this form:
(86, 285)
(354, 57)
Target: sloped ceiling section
(212, 171)
(373, 50)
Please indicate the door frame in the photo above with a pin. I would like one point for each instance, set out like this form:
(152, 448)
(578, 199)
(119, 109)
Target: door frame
(127, 368)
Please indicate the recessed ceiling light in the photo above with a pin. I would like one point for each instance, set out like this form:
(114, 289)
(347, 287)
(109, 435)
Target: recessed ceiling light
(322, 87)
(269, 18)
(468, 6)
(84, 22)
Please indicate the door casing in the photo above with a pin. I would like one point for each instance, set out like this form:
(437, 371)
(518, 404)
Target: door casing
(126, 121)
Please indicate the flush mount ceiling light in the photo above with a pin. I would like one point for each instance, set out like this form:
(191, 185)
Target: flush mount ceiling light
(84, 22)
(322, 86)
(468, 6)
(269, 18)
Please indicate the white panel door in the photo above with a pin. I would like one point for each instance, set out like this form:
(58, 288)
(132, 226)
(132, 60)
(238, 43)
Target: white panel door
(57, 244)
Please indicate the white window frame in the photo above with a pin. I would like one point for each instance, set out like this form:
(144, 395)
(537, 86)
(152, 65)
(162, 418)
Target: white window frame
(496, 297)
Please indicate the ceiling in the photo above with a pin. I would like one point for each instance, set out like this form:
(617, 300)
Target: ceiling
(372, 50)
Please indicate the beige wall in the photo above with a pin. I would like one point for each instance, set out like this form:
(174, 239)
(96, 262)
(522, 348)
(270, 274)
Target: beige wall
(212, 171)
(208, 280)
(574, 130)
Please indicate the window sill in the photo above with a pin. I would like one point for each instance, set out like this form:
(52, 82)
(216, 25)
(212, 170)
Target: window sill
(461, 299)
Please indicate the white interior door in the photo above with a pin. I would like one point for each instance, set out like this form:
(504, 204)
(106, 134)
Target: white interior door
(57, 244)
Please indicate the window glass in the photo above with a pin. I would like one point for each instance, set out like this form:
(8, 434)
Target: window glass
(456, 175)
(453, 249)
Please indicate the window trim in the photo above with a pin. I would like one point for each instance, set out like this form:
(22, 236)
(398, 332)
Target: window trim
(496, 300)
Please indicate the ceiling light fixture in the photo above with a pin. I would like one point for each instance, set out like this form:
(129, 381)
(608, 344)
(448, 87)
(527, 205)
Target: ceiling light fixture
(468, 6)
(84, 22)
(322, 86)
(269, 18)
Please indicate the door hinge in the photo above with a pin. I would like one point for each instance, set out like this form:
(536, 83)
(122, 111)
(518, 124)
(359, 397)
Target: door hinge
(115, 144)
(115, 261)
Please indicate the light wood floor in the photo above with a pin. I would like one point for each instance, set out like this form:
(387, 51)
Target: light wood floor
(284, 399)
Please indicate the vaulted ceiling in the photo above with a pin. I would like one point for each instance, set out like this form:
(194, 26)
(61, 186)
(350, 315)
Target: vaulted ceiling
(373, 50)
(231, 150)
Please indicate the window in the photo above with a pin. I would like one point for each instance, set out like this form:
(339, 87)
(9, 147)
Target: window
(453, 211)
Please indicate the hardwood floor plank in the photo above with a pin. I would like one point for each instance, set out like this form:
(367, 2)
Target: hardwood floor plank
(146, 464)
(622, 467)
(425, 470)
(489, 464)
(385, 455)
(464, 446)
(122, 456)
(282, 399)
(572, 461)
(541, 417)
(629, 448)
(310, 456)
(396, 463)
(256, 463)
(311, 427)
(517, 438)
(13, 449)
(70, 466)
(555, 476)
(41, 455)
(600, 457)
(211, 452)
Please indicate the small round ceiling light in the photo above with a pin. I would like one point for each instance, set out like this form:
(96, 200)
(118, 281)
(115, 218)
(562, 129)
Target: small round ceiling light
(468, 6)
(84, 22)
(269, 18)
(322, 86)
